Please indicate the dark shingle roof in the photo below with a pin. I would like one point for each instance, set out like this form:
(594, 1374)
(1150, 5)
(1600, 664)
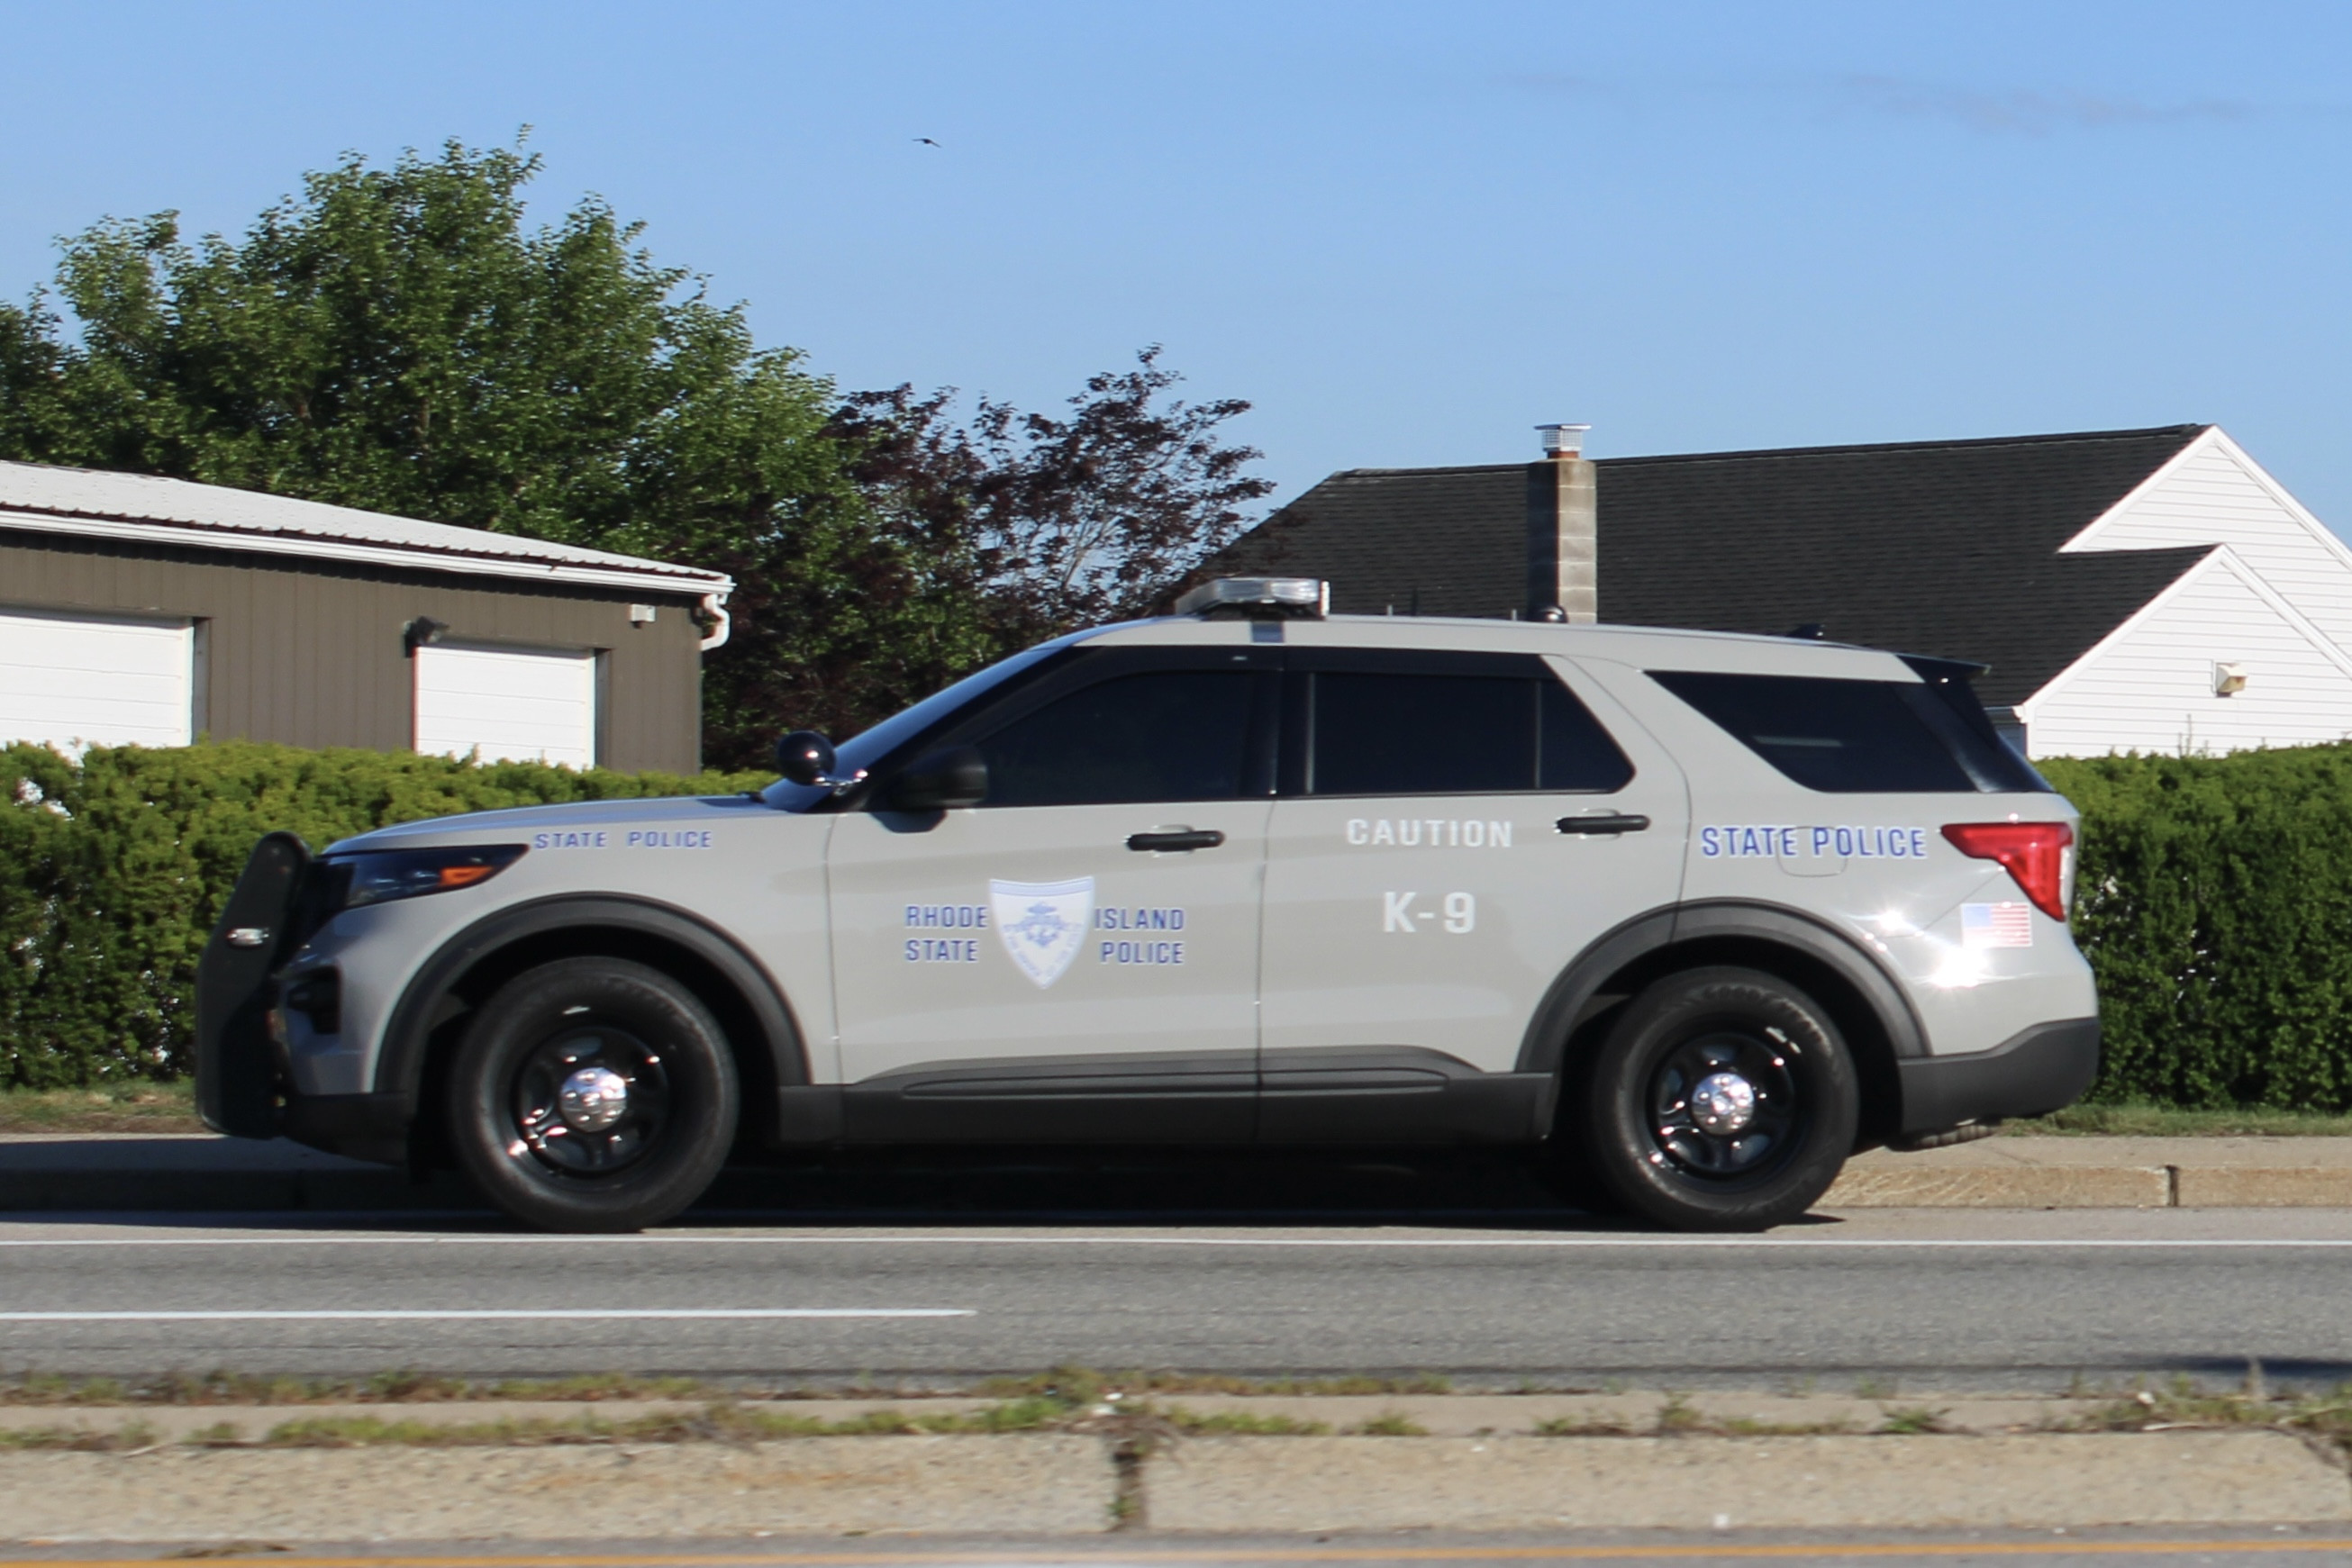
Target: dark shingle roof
(1946, 547)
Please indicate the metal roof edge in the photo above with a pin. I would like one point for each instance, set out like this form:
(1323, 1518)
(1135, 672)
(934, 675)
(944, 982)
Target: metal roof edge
(652, 577)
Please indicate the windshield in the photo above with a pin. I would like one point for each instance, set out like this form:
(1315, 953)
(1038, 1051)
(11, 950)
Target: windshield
(868, 747)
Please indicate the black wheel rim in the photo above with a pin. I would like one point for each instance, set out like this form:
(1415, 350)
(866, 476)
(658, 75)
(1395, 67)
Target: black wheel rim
(1724, 1106)
(588, 1102)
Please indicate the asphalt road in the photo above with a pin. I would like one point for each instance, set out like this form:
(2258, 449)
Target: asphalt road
(1942, 1299)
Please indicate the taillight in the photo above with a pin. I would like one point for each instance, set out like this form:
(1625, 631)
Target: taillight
(2034, 854)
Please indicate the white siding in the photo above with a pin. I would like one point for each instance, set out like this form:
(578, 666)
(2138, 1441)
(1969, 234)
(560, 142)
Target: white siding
(2213, 493)
(2150, 687)
(73, 682)
(506, 704)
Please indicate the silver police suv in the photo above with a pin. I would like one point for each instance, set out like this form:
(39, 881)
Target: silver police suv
(1704, 913)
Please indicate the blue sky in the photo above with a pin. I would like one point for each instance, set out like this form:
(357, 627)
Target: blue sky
(1406, 232)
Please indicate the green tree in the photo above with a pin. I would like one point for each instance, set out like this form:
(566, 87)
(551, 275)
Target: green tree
(400, 341)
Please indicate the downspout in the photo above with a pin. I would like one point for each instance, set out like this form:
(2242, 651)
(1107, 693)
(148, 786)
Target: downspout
(714, 615)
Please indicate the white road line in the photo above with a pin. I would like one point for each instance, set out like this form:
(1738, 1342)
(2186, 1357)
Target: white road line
(484, 1314)
(1563, 1243)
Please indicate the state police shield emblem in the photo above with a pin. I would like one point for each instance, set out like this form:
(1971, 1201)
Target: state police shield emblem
(1042, 924)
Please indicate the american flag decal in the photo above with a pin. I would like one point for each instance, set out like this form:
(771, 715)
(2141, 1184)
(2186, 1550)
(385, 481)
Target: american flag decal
(1996, 925)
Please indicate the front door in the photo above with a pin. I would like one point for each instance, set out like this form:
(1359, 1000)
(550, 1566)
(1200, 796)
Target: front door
(1454, 828)
(1077, 957)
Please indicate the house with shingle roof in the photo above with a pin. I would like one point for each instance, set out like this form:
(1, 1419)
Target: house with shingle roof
(2135, 590)
(143, 611)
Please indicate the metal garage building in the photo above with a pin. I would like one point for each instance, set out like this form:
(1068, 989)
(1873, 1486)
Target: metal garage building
(136, 610)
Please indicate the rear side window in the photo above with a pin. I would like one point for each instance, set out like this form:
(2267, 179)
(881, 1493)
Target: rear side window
(1404, 733)
(1844, 737)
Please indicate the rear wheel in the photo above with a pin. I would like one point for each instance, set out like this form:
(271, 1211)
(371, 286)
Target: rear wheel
(593, 1094)
(1723, 1100)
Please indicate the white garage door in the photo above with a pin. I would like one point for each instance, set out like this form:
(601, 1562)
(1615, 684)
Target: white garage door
(71, 681)
(506, 704)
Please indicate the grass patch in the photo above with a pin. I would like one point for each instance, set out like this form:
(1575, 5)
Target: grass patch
(2145, 1121)
(1744, 1427)
(1085, 1386)
(721, 1422)
(1678, 1418)
(1390, 1423)
(133, 1106)
(136, 1434)
(1241, 1424)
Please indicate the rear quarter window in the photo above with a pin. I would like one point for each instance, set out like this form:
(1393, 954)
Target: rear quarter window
(1846, 736)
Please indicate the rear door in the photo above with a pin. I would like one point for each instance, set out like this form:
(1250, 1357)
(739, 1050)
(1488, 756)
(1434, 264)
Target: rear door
(1454, 828)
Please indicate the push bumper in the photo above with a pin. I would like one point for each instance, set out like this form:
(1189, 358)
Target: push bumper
(2034, 1071)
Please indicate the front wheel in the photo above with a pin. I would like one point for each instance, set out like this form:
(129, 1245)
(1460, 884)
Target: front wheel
(593, 1094)
(1723, 1100)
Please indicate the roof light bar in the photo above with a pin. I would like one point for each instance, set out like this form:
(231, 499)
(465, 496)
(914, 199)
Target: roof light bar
(1260, 598)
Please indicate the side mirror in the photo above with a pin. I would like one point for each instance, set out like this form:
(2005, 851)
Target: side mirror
(944, 780)
(804, 757)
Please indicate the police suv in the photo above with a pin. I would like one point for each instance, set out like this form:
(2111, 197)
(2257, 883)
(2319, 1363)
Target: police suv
(1704, 913)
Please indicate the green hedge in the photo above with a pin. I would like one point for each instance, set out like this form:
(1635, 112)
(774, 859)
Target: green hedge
(2214, 899)
(112, 870)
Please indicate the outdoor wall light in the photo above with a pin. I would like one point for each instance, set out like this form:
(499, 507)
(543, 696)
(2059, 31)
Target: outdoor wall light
(423, 632)
(2229, 680)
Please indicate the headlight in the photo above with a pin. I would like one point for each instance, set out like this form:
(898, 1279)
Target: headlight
(378, 875)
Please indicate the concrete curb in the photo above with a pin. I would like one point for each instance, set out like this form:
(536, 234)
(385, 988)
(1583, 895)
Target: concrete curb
(149, 1173)
(2032, 1481)
(2105, 1173)
(1067, 1485)
(1049, 1485)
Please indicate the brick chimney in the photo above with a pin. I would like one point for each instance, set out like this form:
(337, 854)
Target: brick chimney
(1563, 542)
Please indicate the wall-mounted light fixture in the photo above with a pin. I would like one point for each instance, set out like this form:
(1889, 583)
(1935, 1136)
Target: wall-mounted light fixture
(644, 615)
(2229, 680)
(423, 632)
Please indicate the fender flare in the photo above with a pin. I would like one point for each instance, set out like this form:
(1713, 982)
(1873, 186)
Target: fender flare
(400, 1066)
(1545, 1044)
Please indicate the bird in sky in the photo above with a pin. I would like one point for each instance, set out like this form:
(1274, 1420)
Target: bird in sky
(928, 142)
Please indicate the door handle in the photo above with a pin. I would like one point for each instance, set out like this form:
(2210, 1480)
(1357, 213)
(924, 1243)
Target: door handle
(1604, 822)
(1177, 838)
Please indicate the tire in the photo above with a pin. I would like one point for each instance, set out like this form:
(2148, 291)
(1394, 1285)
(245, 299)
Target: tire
(1776, 1130)
(597, 1026)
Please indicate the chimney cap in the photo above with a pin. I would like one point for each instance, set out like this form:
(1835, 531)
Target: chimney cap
(1563, 440)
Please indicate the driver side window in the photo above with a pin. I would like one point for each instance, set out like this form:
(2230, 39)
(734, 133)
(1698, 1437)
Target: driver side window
(1160, 735)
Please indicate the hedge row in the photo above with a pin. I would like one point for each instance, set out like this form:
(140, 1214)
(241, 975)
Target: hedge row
(112, 869)
(2214, 898)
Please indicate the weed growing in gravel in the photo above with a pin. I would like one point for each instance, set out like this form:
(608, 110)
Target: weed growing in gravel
(1678, 1415)
(1913, 1419)
(1745, 1427)
(1606, 1424)
(2184, 1404)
